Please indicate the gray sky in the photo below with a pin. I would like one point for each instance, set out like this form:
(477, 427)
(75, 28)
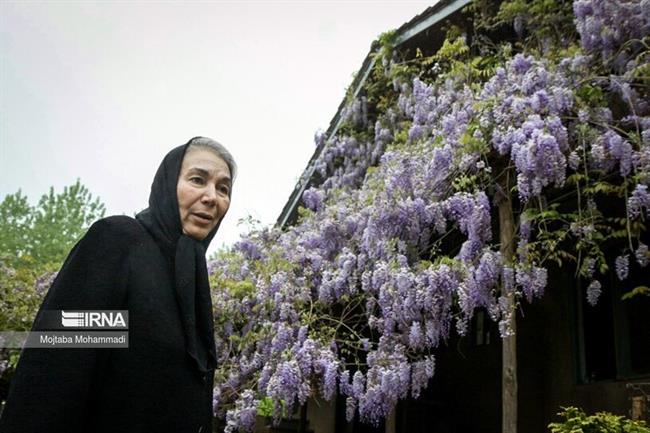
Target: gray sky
(102, 90)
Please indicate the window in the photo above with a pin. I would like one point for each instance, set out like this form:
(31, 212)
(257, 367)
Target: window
(614, 335)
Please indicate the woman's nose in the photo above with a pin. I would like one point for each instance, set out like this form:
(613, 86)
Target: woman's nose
(209, 195)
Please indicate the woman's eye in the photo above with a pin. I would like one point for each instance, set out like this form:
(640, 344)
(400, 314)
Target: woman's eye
(197, 180)
(224, 189)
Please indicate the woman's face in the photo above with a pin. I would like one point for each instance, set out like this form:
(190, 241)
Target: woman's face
(203, 192)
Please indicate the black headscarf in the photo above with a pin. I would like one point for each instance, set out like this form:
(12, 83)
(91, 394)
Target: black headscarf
(162, 220)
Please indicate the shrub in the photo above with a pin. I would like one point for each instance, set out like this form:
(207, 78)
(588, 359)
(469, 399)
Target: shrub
(576, 421)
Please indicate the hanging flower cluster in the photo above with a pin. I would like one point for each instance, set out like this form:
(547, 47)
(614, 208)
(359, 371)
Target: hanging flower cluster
(607, 26)
(395, 247)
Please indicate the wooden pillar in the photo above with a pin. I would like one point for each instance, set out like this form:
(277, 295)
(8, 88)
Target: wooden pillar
(509, 344)
(391, 422)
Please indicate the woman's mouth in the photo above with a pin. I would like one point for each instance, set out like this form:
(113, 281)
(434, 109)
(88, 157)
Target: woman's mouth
(203, 217)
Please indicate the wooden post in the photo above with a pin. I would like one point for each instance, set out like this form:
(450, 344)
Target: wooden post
(302, 423)
(509, 348)
(391, 422)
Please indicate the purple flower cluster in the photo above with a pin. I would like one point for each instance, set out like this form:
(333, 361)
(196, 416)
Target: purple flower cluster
(44, 282)
(345, 159)
(593, 292)
(642, 255)
(611, 149)
(387, 380)
(622, 266)
(357, 112)
(526, 121)
(605, 26)
(244, 415)
(313, 199)
(472, 214)
(538, 155)
(532, 281)
(639, 201)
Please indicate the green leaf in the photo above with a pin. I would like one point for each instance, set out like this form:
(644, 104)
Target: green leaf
(637, 291)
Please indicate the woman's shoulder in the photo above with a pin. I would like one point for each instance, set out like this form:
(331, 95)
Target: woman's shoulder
(117, 228)
(117, 224)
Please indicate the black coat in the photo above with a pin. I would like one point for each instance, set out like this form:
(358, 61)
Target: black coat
(153, 386)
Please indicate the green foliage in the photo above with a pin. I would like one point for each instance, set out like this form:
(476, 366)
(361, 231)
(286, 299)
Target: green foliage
(589, 95)
(576, 421)
(34, 240)
(267, 408)
(45, 233)
(457, 59)
(637, 291)
(16, 221)
(19, 298)
(543, 25)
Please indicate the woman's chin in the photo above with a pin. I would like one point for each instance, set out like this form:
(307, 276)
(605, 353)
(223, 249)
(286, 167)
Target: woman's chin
(197, 233)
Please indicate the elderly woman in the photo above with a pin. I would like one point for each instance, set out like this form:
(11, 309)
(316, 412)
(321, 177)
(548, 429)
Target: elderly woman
(154, 267)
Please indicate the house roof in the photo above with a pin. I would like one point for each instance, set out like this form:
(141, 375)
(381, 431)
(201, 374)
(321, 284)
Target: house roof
(420, 25)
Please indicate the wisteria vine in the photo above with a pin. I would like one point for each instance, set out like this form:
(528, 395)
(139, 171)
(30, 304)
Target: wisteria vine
(395, 248)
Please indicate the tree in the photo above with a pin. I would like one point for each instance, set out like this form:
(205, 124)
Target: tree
(16, 218)
(34, 240)
(43, 234)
